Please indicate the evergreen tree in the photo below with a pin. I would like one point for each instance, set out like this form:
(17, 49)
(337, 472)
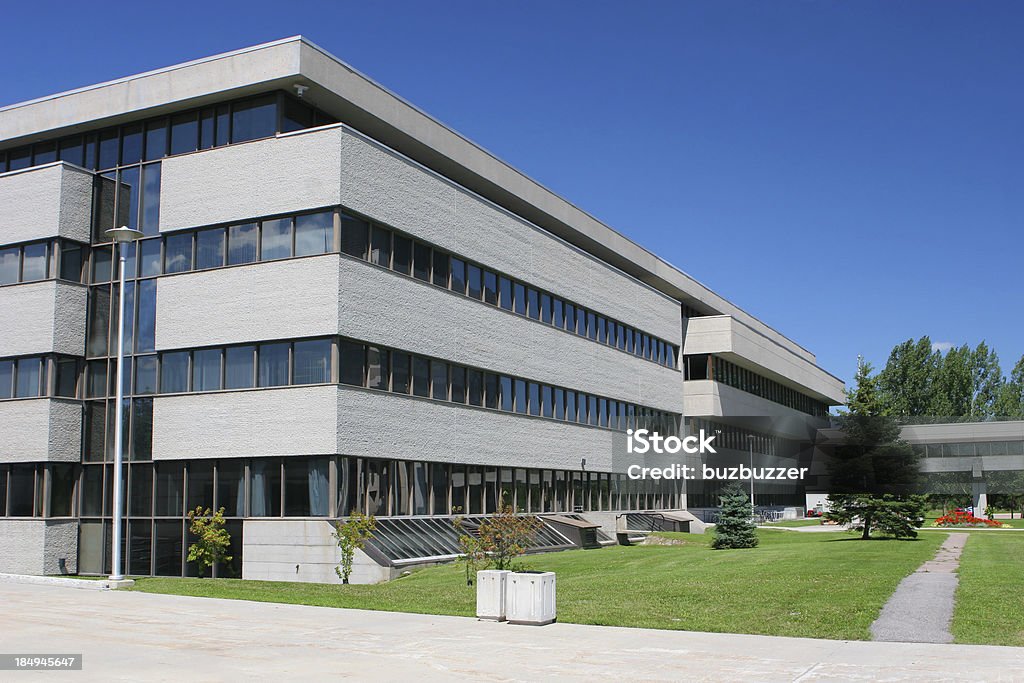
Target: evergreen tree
(735, 528)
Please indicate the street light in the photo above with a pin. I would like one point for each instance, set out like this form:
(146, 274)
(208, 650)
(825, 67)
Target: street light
(750, 442)
(122, 236)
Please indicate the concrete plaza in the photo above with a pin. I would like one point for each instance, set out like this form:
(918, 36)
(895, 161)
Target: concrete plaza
(142, 637)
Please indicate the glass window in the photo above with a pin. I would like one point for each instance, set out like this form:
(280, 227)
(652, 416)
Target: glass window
(376, 368)
(71, 261)
(131, 144)
(475, 386)
(474, 281)
(184, 133)
(22, 496)
(534, 398)
(67, 378)
(354, 236)
(239, 367)
(30, 372)
(99, 321)
(145, 375)
(62, 488)
(520, 298)
(591, 325)
(254, 119)
(545, 307)
(592, 413)
(458, 268)
(72, 151)
(34, 262)
(493, 390)
(420, 376)
(101, 264)
(602, 329)
(97, 378)
(145, 332)
(399, 372)
(206, 126)
(505, 298)
(222, 124)
(108, 149)
(490, 288)
(353, 360)
(6, 378)
(276, 240)
(570, 317)
(440, 269)
(231, 488)
(380, 247)
(210, 248)
(265, 488)
(421, 262)
(200, 484)
(45, 153)
(439, 380)
(241, 244)
(402, 255)
(533, 297)
(558, 404)
(295, 116)
(312, 361)
(458, 384)
(571, 413)
(174, 372)
(156, 139)
(9, 266)
(520, 395)
(206, 370)
(546, 401)
(314, 233)
(150, 257)
(305, 487)
(151, 199)
(273, 364)
(178, 253)
(19, 158)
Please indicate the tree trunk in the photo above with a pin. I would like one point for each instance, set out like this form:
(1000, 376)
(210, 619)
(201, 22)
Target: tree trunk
(867, 529)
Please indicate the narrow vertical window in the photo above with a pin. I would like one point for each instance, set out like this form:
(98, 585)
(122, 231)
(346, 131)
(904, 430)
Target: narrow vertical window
(458, 278)
(376, 368)
(400, 379)
(206, 370)
(490, 288)
(353, 363)
(439, 380)
(312, 362)
(178, 253)
(276, 239)
(492, 390)
(380, 247)
(421, 262)
(440, 274)
(241, 244)
(210, 248)
(474, 282)
(402, 258)
(239, 367)
(354, 236)
(273, 364)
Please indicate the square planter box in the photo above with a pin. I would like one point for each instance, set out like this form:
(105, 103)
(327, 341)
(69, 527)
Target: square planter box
(490, 594)
(530, 598)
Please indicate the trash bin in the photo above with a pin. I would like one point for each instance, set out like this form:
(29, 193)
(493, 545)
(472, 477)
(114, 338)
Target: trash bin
(490, 594)
(530, 598)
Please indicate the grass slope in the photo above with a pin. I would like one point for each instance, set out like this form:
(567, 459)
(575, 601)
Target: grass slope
(813, 585)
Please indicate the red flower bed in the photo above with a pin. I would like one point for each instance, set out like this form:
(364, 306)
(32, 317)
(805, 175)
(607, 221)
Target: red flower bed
(965, 519)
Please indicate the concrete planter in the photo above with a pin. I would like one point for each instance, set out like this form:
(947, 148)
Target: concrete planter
(490, 594)
(530, 598)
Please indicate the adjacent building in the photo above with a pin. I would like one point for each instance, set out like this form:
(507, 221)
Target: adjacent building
(338, 304)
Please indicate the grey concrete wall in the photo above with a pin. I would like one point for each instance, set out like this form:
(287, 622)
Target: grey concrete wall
(301, 550)
(270, 300)
(40, 429)
(965, 432)
(289, 173)
(42, 317)
(382, 184)
(35, 546)
(705, 398)
(288, 421)
(54, 200)
(730, 338)
(380, 306)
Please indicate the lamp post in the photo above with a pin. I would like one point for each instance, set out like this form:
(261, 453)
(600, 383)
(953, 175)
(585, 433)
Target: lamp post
(122, 236)
(750, 443)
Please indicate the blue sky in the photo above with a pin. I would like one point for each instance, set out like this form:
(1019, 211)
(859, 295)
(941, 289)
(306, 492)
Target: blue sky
(851, 173)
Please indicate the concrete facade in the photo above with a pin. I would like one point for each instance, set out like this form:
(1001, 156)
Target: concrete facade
(53, 200)
(37, 546)
(42, 317)
(41, 430)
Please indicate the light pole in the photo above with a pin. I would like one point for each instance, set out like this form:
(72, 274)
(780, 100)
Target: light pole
(122, 236)
(750, 443)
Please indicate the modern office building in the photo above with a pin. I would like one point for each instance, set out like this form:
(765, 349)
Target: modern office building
(338, 303)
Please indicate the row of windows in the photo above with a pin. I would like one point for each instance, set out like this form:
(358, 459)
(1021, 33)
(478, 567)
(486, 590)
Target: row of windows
(38, 490)
(963, 450)
(704, 366)
(737, 438)
(275, 364)
(28, 377)
(387, 248)
(43, 260)
(152, 139)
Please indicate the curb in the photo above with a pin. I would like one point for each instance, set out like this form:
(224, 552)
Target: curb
(66, 583)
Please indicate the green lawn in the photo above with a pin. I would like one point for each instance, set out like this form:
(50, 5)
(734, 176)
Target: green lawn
(794, 523)
(813, 585)
(990, 597)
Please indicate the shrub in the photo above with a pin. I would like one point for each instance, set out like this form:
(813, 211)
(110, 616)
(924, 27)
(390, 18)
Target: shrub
(735, 528)
(351, 535)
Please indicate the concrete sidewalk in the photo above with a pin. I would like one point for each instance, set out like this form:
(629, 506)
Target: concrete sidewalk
(142, 637)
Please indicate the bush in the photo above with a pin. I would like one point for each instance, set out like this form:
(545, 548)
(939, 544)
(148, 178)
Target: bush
(735, 528)
(351, 535)
(213, 539)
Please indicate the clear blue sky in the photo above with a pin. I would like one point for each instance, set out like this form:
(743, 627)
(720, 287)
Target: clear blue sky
(850, 173)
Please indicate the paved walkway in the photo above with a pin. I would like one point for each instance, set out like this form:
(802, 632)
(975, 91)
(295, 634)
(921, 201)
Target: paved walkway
(143, 637)
(921, 608)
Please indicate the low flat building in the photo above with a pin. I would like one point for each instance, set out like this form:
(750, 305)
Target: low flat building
(338, 304)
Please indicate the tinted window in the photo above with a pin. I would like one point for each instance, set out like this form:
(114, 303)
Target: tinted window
(458, 268)
(29, 374)
(184, 133)
(45, 152)
(145, 375)
(156, 139)
(296, 116)
(312, 362)
(490, 287)
(353, 360)
(276, 242)
(380, 247)
(131, 144)
(145, 334)
(314, 233)
(440, 268)
(474, 281)
(238, 367)
(520, 298)
(439, 379)
(71, 262)
(9, 266)
(210, 248)
(241, 244)
(273, 365)
(458, 382)
(72, 151)
(206, 370)
(354, 236)
(19, 158)
(402, 262)
(505, 298)
(174, 372)
(420, 376)
(108, 149)
(67, 378)
(421, 262)
(254, 119)
(151, 199)
(178, 253)
(400, 372)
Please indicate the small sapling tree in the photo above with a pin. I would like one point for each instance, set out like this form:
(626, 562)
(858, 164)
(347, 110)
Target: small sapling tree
(507, 535)
(735, 528)
(212, 539)
(352, 535)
